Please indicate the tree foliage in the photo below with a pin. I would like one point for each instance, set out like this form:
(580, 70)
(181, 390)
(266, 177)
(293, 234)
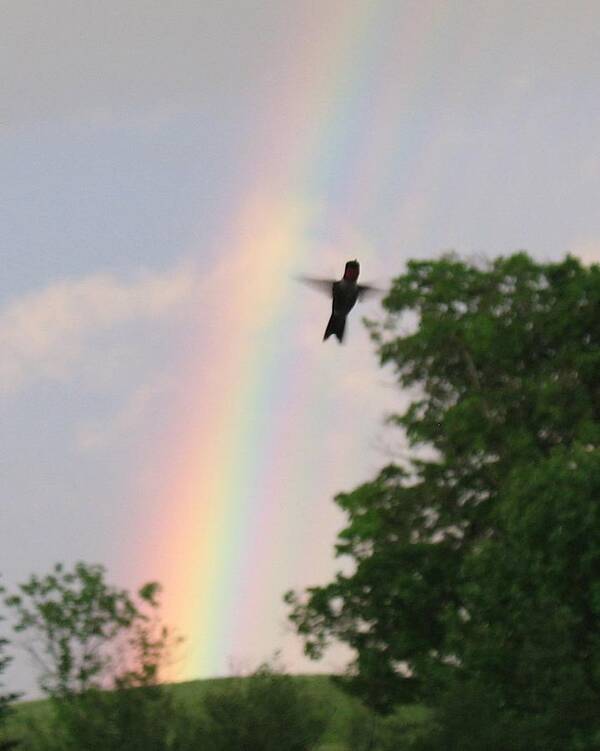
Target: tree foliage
(100, 651)
(86, 634)
(477, 563)
(6, 700)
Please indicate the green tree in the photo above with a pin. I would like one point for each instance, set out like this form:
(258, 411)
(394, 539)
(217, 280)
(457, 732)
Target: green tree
(100, 651)
(84, 633)
(454, 585)
(6, 700)
(532, 641)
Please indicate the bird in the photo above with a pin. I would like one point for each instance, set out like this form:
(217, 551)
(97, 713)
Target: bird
(344, 294)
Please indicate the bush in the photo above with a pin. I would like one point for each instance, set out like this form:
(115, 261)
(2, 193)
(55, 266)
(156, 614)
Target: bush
(140, 719)
(268, 711)
(401, 730)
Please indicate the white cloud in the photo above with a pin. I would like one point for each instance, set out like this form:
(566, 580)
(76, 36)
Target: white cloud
(42, 332)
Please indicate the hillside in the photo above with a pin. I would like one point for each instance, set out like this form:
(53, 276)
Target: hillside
(349, 725)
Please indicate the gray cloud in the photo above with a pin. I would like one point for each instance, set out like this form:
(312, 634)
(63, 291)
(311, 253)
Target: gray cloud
(68, 58)
(41, 333)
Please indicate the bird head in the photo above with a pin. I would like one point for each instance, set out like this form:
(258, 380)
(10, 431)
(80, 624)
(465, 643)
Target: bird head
(352, 270)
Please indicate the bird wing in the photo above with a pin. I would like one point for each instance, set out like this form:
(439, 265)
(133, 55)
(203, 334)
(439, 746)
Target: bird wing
(365, 290)
(323, 285)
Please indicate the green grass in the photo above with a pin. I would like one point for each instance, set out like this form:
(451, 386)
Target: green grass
(347, 715)
(26, 712)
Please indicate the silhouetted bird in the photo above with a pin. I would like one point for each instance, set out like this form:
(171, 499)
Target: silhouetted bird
(344, 294)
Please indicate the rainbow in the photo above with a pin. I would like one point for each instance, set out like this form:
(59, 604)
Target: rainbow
(234, 517)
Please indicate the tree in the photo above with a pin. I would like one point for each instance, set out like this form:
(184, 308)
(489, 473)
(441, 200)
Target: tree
(85, 634)
(454, 584)
(6, 700)
(100, 651)
(532, 641)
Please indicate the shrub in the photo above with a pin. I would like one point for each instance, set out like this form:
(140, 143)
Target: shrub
(268, 711)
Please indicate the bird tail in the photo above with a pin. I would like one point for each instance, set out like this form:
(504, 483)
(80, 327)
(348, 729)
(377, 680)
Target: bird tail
(336, 325)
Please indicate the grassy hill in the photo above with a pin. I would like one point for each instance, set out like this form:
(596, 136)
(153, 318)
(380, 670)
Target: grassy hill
(347, 717)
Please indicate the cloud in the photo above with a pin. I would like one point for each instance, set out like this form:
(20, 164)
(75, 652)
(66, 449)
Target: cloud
(68, 58)
(42, 333)
(100, 433)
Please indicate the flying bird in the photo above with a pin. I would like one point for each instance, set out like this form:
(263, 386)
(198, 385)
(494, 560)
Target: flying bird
(344, 294)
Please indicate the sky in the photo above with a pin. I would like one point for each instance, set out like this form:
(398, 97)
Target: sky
(167, 406)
